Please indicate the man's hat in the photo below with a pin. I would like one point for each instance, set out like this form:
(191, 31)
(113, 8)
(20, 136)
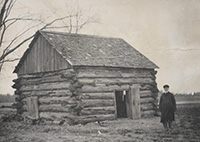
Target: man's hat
(166, 86)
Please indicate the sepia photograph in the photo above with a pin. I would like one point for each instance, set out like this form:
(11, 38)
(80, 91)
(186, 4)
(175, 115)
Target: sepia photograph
(99, 71)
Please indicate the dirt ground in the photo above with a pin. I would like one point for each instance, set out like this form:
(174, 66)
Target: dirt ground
(186, 129)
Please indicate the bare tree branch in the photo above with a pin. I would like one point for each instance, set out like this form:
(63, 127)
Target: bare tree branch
(13, 49)
(17, 37)
(2, 34)
(77, 21)
(84, 23)
(57, 27)
(9, 60)
(52, 22)
(5, 54)
(19, 19)
(71, 22)
(3, 9)
(9, 8)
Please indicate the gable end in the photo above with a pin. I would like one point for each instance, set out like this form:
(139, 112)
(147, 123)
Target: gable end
(40, 57)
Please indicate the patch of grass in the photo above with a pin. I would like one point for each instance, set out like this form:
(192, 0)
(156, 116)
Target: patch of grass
(186, 98)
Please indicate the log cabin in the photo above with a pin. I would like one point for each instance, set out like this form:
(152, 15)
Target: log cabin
(83, 78)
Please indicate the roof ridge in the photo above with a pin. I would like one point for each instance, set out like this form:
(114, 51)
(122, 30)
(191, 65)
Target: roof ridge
(78, 35)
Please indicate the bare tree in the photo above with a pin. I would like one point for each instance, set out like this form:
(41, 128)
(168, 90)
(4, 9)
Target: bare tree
(7, 47)
(72, 23)
(76, 20)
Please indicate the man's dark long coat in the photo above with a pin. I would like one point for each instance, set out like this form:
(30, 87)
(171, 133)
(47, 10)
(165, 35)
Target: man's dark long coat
(167, 107)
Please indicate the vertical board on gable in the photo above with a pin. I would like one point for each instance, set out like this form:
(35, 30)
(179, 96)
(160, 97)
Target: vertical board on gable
(45, 53)
(38, 55)
(49, 55)
(33, 55)
(45, 56)
(55, 63)
(57, 60)
(25, 67)
(29, 62)
(42, 57)
(52, 60)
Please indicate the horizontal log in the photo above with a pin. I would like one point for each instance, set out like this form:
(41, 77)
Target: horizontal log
(138, 75)
(103, 88)
(97, 103)
(65, 71)
(68, 75)
(55, 100)
(146, 93)
(92, 118)
(48, 93)
(55, 115)
(42, 80)
(98, 110)
(146, 100)
(46, 86)
(17, 80)
(112, 72)
(115, 81)
(53, 108)
(145, 87)
(148, 86)
(16, 86)
(30, 76)
(145, 107)
(148, 113)
(4, 110)
(98, 73)
(6, 105)
(45, 74)
(114, 75)
(154, 72)
(17, 92)
(109, 95)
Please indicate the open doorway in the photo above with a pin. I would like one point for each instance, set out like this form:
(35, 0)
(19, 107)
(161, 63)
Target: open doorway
(121, 103)
(127, 103)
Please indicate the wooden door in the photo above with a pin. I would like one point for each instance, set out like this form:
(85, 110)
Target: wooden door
(32, 107)
(129, 104)
(135, 101)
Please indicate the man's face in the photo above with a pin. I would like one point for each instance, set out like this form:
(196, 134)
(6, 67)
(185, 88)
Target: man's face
(166, 89)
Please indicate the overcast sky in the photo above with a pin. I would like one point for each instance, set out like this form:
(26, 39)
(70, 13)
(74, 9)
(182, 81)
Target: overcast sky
(165, 31)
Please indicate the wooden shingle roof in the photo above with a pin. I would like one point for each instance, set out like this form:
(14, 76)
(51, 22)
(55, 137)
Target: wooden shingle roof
(87, 50)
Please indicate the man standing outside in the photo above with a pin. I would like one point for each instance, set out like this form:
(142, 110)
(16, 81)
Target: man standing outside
(167, 107)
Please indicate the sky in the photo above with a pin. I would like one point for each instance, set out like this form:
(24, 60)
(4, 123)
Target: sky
(165, 31)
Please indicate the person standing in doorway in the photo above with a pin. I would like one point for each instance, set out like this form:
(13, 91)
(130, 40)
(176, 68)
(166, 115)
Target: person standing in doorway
(167, 107)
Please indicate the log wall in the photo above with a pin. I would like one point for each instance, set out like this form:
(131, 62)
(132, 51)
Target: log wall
(99, 83)
(56, 91)
(84, 94)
